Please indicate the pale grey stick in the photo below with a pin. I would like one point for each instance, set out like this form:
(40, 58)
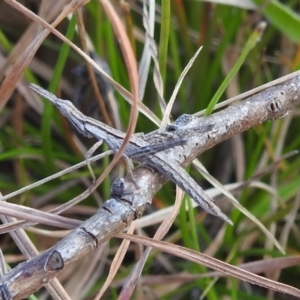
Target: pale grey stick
(166, 165)
(116, 214)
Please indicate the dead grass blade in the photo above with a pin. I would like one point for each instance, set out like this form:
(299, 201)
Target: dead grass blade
(88, 272)
(56, 175)
(161, 214)
(131, 66)
(256, 267)
(290, 220)
(235, 202)
(213, 263)
(3, 268)
(136, 272)
(26, 56)
(151, 51)
(149, 24)
(91, 73)
(56, 210)
(47, 10)
(167, 112)
(118, 259)
(23, 61)
(34, 215)
(262, 266)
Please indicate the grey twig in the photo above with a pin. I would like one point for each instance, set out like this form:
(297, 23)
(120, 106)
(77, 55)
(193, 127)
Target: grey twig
(129, 200)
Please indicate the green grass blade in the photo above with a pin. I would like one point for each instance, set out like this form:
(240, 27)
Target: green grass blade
(255, 36)
(48, 108)
(282, 17)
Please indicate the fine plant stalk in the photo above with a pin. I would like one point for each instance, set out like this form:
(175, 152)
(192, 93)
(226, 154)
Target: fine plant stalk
(164, 38)
(252, 41)
(48, 108)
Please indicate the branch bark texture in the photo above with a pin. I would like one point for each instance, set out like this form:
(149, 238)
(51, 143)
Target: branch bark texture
(129, 200)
